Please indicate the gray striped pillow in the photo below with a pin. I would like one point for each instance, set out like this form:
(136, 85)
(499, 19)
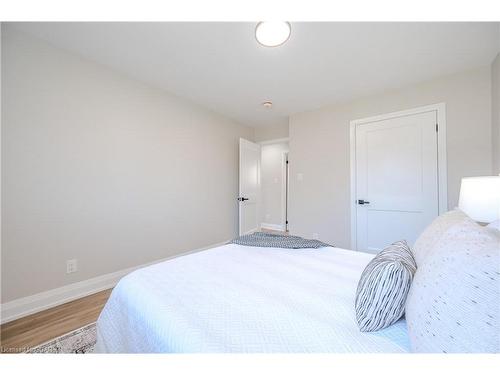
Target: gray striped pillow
(383, 287)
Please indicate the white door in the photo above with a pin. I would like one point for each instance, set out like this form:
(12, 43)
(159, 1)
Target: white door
(396, 179)
(249, 190)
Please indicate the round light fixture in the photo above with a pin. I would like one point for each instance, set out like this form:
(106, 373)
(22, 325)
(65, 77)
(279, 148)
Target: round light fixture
(272, 34)
(267, 104)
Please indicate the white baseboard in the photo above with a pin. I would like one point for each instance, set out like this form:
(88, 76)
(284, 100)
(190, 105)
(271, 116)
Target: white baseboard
(272, 227)
(21, 307)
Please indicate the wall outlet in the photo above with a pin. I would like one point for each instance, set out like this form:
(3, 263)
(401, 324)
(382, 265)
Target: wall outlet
(315, 236)
(71, 266)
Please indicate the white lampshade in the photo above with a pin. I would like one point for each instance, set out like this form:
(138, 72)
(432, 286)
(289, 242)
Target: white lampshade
(480, 198)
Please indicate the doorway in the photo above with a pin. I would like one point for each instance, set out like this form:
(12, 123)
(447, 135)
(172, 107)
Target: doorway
(274, 186)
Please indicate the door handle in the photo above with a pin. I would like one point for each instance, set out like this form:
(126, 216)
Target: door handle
(242, 199)
(362, 201)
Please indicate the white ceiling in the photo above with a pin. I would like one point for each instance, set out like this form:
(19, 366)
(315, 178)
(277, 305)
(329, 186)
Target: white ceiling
(222, 67)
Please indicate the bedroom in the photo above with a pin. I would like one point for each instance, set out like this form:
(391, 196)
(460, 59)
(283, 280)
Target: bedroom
(152, 205)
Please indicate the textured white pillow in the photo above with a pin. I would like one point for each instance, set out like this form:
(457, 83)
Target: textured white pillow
(494, 225)
(454, 301)
(425, 243)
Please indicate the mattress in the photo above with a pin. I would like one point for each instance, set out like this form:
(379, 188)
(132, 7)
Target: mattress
(244, 299)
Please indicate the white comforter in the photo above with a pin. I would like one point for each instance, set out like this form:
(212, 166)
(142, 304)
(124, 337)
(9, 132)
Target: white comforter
(244, 299)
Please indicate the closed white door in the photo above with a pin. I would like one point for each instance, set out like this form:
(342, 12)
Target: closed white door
(396, 179)
(249, 191)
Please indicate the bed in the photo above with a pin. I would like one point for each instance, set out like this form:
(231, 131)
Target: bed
(244, 299)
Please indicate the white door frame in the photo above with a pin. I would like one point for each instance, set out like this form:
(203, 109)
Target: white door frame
(440, 108)
(284, 189)
(273, 141)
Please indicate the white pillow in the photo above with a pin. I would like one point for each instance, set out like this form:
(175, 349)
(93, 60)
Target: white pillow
(453, 304)
(425, 243)
(494, 225)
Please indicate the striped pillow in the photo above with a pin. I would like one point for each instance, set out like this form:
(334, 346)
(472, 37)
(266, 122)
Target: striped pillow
(383, 287)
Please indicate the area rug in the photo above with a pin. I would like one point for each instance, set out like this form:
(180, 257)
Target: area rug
(79, 341)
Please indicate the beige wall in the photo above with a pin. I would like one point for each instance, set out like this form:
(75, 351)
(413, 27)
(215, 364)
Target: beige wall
(273, 183)
(319, 148)
(495, 113)
(267, 133)
(99, 167)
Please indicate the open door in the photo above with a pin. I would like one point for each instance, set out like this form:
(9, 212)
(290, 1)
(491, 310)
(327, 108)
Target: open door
(249, 190)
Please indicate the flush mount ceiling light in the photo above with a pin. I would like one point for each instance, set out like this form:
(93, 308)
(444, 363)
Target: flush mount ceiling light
(272, 34)
(267, 104)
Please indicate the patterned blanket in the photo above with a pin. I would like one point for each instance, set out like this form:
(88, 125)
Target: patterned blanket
(261, 239)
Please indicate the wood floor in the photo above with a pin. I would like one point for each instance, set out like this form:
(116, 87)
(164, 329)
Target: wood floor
(32, 330)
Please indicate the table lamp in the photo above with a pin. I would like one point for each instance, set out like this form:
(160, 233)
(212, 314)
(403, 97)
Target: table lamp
(480, 198)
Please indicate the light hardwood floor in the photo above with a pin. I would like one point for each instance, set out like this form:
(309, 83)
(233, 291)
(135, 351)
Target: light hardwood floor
(32, 330)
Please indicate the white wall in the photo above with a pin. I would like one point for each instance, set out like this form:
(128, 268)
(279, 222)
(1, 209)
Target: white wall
(266, 133)
(273, 184)
(495, 113)
(99, 167)
(1, 153)
(319, 148)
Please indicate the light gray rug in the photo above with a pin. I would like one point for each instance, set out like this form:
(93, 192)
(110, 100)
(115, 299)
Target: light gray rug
(79, 341)
(264, 239)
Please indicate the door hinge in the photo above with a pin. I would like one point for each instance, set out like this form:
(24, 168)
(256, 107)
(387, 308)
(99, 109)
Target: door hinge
(286, 222)
(287, 161)
(436, 128)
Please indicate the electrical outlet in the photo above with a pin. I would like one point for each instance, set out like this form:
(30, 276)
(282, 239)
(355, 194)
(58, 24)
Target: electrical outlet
(315, 236)
(71, 266)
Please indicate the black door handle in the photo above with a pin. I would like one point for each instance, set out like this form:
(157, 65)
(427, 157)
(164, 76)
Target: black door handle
(362, 201)
(242, 199)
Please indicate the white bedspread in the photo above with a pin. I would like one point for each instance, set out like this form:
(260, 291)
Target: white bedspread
(244, 299)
